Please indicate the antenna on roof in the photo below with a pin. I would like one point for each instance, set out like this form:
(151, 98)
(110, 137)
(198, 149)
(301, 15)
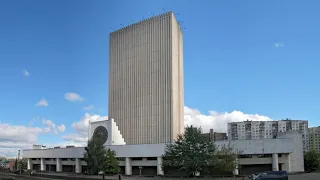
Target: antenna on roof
(121, 25)
(163, 10)
(152, 13)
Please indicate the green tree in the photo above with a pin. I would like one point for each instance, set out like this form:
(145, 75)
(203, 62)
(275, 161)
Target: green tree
(16, 164)
(112, 163)
(190, 153)
(23, 163)
(193, 152)
(226, 159)
(100, 159)
(311, 160)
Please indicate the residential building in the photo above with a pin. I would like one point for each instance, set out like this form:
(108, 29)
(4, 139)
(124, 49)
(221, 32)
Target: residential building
(219, 136)
(267, 129)
(146, 80)
(314, 138)
(216, 136)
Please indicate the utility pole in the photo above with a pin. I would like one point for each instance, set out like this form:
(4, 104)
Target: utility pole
(18, 164)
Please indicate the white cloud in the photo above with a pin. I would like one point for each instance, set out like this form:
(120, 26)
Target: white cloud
(26, 73)
(42, 103)
(83, 125)
(33, 120)
(19, 133)
(217, 120)
(51, 126)
(66, 143)
(73, 97)
(14, 138)
(213, 120)
(88, 107)
(75, 138)
(61, 128)
(278, 44)
(81, 128)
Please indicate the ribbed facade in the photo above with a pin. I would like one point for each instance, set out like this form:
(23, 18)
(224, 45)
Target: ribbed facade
(146, 80)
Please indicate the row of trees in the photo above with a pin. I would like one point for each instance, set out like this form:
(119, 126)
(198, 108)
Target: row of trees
(191, 153)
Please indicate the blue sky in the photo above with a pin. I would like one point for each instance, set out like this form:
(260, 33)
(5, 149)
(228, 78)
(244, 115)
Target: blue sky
(242, 59)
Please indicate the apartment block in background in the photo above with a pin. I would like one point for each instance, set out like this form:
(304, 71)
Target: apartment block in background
(267, 129)
(314, 138)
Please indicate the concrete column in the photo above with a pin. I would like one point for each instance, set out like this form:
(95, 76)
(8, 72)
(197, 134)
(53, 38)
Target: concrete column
(159, 167)
(128, 168)
(236, 170)
(289, 162)
(59, 165)
(43, 164)
(275, 162)
(78, 165)
(30, 165)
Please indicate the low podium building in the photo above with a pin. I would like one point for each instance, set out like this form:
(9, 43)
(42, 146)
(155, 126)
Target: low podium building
(285, 152)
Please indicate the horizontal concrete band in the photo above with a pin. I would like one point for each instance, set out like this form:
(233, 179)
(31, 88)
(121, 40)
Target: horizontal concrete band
(265, 146)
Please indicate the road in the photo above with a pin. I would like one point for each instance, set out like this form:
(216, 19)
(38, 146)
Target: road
(307, 176)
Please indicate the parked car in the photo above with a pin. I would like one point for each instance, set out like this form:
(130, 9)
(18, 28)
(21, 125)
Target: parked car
(272, 175)
(254, 176)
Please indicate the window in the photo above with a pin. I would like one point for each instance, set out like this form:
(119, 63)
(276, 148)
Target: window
(120, 158)
(245, 156)
(151, 158)
(264, 155)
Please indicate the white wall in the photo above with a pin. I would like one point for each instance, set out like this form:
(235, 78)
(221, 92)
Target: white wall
(259, 146)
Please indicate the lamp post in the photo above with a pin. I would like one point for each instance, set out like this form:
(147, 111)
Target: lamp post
(40, 169)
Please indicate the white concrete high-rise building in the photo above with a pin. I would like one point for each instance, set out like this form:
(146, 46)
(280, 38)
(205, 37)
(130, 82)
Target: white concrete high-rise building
(146, 80)
(267, 129)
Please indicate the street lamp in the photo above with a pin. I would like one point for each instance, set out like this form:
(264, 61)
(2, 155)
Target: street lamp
(140, 168)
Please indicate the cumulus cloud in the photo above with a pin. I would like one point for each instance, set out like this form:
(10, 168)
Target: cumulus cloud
(73, 97)
(14, 138)
(212, 120)
(75, 138)
(61, 128)
(81, 128)
(82, 125)
(18, 133)
(51, 126)
(88, 107)
(42, 103)
(217, 120)
(66, 143)
(26, 73)
(278, 44)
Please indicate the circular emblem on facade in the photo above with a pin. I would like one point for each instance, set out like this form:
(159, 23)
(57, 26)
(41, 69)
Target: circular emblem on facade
(101, 134)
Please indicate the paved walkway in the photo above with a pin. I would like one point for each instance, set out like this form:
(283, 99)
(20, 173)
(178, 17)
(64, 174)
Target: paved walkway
(74, 175)
(306, 176)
